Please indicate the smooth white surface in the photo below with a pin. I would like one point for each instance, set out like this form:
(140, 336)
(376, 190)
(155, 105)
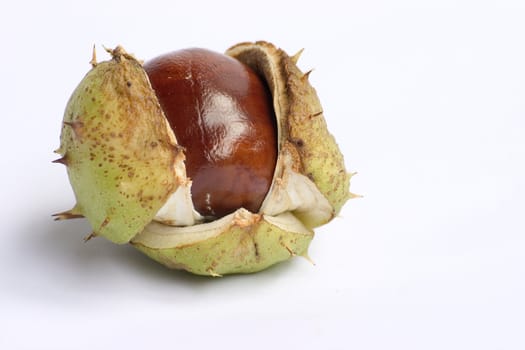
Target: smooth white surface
(427, 101)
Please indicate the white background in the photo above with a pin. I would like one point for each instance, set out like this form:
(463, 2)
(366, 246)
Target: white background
(427, 102)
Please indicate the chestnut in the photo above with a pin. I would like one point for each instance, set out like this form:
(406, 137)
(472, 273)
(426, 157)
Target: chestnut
(211, 163)
(221, 112)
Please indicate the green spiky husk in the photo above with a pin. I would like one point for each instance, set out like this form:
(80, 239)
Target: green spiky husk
(120, 158)
(118, 153)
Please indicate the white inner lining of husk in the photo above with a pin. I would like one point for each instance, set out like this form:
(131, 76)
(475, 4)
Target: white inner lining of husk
(157, 235)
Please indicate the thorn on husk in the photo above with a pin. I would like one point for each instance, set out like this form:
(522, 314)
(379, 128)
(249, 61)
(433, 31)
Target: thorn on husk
(296, 57)
(307, 257)
(213, 273)
(88, 237)
(354, 195)
(93, 61)
(306, 75)
(63, 160)
(66, 215)
(118, 52)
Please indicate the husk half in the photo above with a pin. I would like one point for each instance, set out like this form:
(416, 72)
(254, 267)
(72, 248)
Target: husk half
(122, 158)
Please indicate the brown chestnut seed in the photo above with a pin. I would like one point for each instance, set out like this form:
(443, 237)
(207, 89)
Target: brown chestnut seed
(221, 112)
